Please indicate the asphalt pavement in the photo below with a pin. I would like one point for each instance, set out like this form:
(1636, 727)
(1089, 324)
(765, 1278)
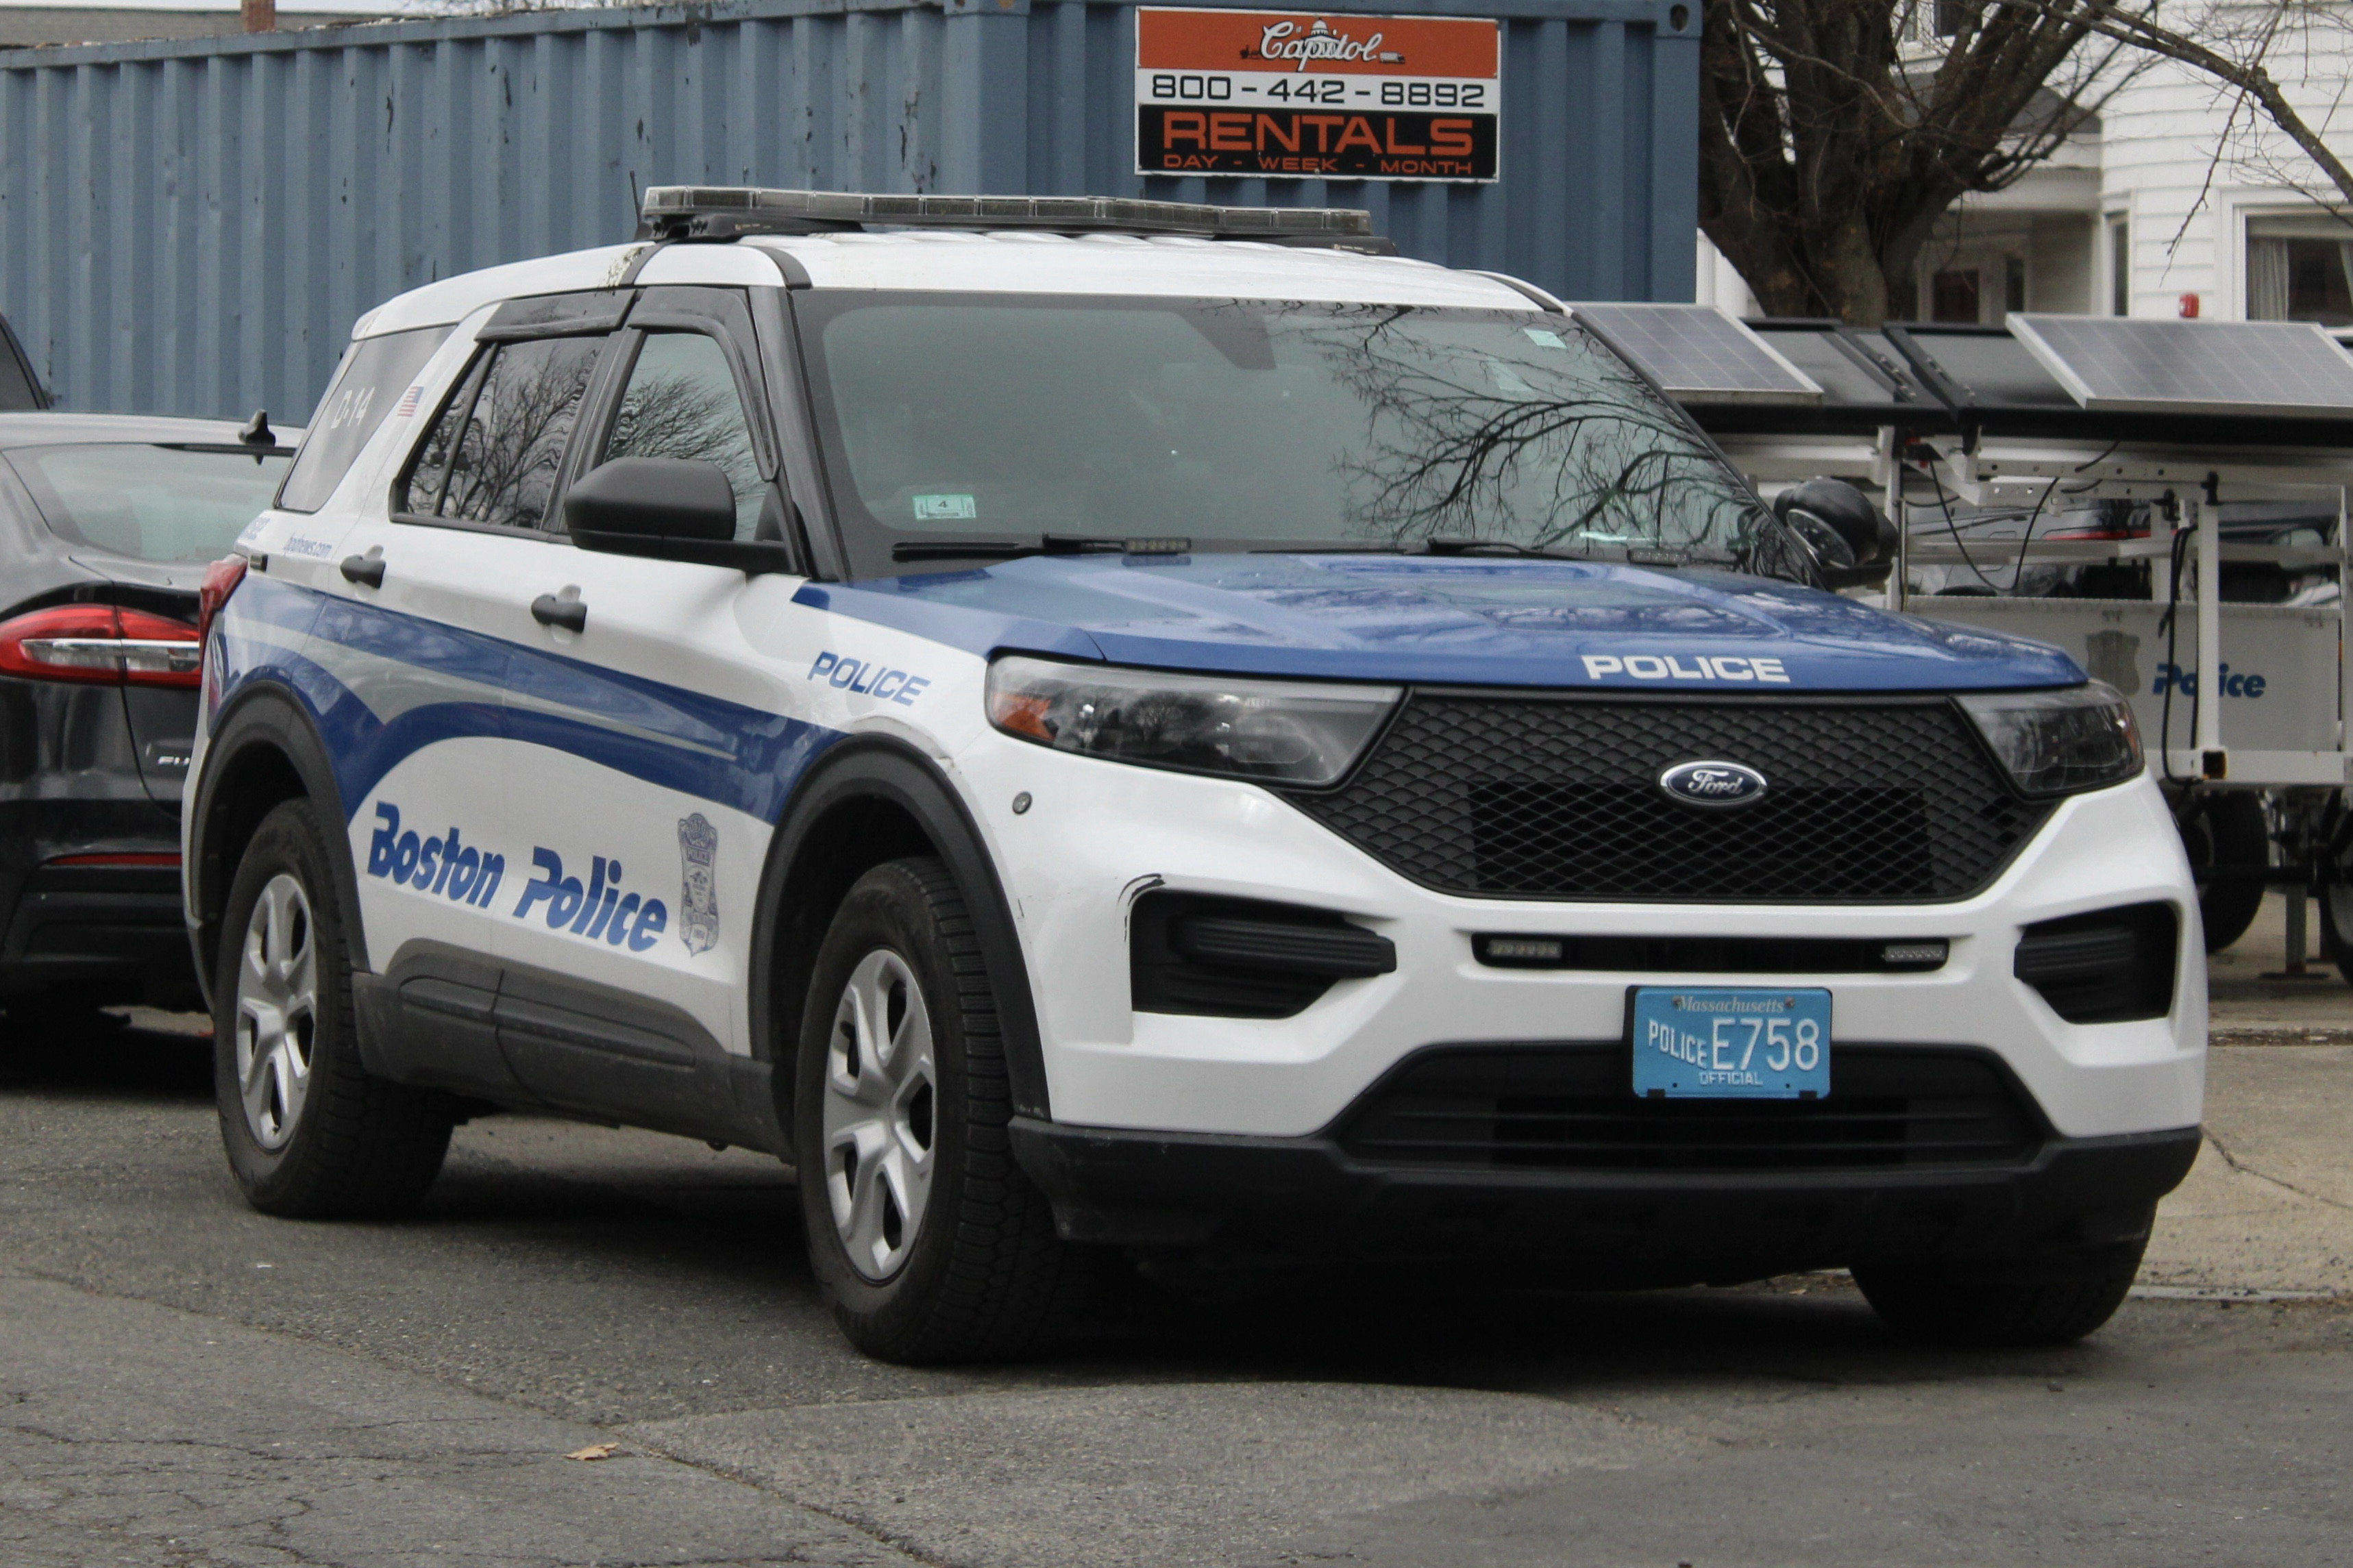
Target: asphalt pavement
(182, 1382)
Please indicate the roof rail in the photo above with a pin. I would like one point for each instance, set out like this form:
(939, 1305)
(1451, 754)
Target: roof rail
(721, 212)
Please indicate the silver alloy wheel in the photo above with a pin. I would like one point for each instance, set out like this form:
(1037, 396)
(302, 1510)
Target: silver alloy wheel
(881, 1108)
(276, 1010)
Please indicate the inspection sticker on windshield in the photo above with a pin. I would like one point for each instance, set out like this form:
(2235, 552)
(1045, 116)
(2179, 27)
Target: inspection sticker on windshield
(1339, 96)
(1731, 1043)
(937, 508)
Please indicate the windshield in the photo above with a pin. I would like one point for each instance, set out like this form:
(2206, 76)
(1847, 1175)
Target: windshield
(963, 419)
(158, 503)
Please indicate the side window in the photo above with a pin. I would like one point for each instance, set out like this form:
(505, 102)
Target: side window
(492, 454)
(682, 402)
(369, 382)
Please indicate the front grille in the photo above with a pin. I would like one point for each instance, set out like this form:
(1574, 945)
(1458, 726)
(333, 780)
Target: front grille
(1572, 1108)
(1553, 797)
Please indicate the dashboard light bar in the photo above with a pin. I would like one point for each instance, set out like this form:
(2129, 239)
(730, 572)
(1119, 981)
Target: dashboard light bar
(709, 210)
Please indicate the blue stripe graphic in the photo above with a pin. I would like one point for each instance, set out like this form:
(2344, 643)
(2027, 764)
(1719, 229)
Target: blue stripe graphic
(449, 684)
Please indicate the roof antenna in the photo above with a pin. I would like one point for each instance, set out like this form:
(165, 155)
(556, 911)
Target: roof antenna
(257, 431)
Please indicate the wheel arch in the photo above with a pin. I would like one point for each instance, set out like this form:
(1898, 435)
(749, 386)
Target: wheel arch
(264, 750)
(868, 800)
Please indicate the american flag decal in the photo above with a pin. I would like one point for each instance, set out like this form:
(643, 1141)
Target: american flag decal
(408, 406)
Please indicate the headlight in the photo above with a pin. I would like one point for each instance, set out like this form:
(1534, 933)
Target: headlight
(2056, 741)
(1282, 732)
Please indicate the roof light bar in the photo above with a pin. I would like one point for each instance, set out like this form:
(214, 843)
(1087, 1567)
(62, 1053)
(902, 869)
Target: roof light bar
(712, 211)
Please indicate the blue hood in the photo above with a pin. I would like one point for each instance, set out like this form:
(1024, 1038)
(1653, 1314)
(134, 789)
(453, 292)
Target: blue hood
(1479, 621)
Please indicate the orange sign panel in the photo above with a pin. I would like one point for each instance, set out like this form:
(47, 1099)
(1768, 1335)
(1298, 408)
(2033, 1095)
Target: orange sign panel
(1306, 95)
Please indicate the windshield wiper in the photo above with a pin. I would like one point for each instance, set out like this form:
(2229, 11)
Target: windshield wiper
(1044, 544)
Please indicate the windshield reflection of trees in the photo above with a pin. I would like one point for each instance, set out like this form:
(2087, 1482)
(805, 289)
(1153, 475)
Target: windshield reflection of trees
(1569, 452)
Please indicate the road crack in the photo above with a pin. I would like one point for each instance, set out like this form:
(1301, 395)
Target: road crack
(2241, 1168)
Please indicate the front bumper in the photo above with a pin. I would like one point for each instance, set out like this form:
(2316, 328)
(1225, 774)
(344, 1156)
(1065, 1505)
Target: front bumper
(1297, 1196)
(1103, 833)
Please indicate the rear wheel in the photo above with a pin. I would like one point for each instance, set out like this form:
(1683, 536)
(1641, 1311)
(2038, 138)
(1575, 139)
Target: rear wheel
(310, 1131)
(1992, 1304)
(928, 1241)
(2225, 828)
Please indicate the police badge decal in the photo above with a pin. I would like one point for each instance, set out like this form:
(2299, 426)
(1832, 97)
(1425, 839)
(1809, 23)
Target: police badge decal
(698, 849)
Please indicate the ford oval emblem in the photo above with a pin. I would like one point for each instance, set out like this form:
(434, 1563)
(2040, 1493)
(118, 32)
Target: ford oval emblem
(1713, 783)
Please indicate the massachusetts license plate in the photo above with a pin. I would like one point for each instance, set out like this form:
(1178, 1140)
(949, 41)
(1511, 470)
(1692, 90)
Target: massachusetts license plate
(1732, 1043)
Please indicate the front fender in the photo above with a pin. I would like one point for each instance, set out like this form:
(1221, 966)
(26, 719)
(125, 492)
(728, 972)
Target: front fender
(892, 783)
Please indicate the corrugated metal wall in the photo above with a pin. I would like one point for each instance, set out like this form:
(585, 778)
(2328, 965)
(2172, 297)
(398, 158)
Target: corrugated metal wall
(193, 227)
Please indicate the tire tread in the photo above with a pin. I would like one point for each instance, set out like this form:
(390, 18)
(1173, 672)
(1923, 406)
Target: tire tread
(1008, 1285)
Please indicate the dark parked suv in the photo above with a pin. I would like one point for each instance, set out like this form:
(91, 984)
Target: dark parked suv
(106, 524)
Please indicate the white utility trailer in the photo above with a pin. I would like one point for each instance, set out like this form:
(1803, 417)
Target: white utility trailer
(1991, 448)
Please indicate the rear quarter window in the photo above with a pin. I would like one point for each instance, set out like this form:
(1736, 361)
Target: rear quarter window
(367, 386)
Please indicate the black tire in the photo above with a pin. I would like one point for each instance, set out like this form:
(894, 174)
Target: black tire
(1995, 1305)
(983, 1275)
(2225, 828)
(354, 1144)
(2334, 896)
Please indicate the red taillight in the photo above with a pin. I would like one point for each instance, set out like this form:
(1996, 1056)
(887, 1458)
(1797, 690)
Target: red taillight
(101, 643)
(221, 579)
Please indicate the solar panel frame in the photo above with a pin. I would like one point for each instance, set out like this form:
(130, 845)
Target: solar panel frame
(2296, 354)
(1616, 320)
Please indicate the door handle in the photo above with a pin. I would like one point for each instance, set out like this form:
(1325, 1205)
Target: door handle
(363, 568)
(572, 614)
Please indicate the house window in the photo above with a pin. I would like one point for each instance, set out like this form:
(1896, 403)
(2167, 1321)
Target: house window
(2013, 283)
(2119, 268)
(1952, 295)
(2297, 277)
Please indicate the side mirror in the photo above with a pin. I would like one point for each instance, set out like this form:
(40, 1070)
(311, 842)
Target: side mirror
(668, 508)
(1853, 542)
(652, 497)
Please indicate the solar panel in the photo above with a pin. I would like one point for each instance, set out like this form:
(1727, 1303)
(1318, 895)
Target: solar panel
(1700, 354)
(2289, 369)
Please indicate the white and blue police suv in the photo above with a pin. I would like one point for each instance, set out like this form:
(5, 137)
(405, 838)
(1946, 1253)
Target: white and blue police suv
(1097, 727)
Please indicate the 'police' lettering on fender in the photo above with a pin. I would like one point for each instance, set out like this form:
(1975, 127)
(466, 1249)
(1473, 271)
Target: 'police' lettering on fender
(868, 678)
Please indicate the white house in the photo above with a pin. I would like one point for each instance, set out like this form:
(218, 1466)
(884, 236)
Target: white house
(2170, 204)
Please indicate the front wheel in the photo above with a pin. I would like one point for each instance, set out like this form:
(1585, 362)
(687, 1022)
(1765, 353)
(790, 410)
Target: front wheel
(928, 1241)
(310, 1131)
(2051, 1302)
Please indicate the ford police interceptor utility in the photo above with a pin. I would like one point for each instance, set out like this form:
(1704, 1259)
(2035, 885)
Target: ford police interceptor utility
(1099, 727)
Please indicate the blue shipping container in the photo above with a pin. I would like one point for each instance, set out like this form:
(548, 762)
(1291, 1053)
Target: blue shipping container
(192, 226)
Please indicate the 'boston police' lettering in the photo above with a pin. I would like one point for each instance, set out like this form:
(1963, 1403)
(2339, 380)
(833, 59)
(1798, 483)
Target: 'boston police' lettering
(456, 871)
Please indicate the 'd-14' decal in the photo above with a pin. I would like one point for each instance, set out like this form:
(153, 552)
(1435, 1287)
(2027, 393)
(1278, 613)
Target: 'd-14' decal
(447, 865)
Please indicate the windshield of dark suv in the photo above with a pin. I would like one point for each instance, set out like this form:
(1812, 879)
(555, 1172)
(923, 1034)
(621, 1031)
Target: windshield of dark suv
(955, 421)
(157, 503)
